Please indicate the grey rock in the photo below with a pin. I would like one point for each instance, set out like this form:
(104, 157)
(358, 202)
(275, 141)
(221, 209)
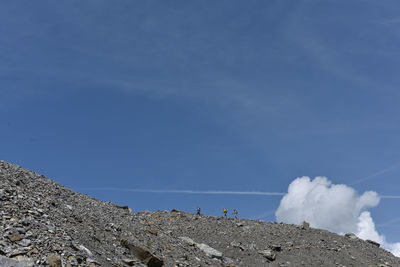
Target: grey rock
(187, 240)
(54, 260)
(304, 225)
(24, 260)
(85, 250)
(373, 243)
(25, 242)
(268, 253)
(14, 237)
(351, 236)
(209, 251)
(79, 247)
(130, 262)
(143, 255)
(18, 252)
(89, 260)
(7, 262)
(237, 245)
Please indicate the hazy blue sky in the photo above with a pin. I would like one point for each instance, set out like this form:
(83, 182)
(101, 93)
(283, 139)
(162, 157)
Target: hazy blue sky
(204, 95)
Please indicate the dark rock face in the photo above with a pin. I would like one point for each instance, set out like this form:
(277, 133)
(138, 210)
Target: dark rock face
(45, 224)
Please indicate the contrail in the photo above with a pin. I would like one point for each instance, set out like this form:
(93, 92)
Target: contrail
(395, 166)
(263, 215)
(200, 192)
(390, 196)
(389, 223)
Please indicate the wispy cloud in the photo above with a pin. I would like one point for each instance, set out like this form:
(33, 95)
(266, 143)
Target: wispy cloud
(388, 21)
(375, 174)
(200, 192)
(390, 223)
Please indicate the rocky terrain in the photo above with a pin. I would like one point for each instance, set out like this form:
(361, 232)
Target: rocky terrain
(45, 224)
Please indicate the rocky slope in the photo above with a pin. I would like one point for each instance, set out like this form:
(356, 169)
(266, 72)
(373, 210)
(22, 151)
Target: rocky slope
(45, 224)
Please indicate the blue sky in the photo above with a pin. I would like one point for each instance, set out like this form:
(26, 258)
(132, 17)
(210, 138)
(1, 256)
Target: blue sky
(204, 95)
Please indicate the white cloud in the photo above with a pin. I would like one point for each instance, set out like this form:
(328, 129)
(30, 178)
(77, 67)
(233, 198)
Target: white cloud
(366, 228)
(334, 207)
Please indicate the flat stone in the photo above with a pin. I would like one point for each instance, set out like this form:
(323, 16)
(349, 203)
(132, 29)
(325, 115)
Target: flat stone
(7, 262)
(18, 252)
(237, 245)
(25, 242)
(209, 251)
(71, 258)
(86, 250)
(143, 255)
(188, 240)
(130, 262)
(56, 247)
(90, 260)
(53, 260)
(351, 236)
(153, 232)
(34, 251)
(15, 237)
(373, 243)
(24, 260)
(268, 253)
(14, 219)
(81, 248)
(21, 230)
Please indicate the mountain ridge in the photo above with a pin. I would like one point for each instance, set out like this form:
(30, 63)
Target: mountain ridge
(46, 224)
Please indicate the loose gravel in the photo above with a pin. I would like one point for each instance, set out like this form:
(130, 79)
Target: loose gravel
(45, 224)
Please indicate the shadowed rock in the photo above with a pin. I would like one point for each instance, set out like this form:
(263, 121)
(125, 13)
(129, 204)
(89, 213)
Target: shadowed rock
(143, 255)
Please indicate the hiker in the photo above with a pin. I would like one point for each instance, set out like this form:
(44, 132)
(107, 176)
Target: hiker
(225, 212)
(198, 211)
(235, 212)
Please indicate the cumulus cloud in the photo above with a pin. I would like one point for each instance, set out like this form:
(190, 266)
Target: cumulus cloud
(334, 207)
(366, 228)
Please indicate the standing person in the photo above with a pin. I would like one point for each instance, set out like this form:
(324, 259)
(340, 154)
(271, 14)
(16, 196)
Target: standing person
(225, 212)
(235, 212)
(198, 211)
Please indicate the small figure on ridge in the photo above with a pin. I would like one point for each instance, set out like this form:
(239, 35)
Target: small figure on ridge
(235, 212)
(225, 212)
(198, 211)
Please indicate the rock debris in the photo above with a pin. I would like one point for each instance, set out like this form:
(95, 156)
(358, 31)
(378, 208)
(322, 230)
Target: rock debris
(45, 224)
